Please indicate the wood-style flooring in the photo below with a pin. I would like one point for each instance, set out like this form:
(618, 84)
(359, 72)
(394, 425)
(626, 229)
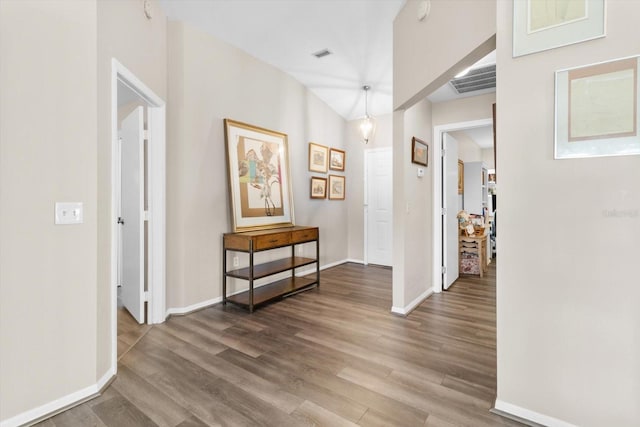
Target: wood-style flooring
(333, 356)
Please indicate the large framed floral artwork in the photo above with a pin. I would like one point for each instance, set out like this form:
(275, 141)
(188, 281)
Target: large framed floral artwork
(259, 178)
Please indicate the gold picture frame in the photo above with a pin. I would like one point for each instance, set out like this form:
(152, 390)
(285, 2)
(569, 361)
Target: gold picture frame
(419, 152)
(318, 158)
(259, 178)
(318, 189)
(336, 159)
(336, 187)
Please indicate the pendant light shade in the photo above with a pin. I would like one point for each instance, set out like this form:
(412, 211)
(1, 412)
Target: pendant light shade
(367, 123)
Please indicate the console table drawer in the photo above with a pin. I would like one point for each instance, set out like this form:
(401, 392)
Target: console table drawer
(272, 240)
(300, 236)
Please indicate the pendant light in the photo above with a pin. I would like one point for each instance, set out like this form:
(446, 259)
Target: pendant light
(367, 123)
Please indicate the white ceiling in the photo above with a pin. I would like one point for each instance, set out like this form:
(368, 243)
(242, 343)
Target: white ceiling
(483, 136)
(285, 34)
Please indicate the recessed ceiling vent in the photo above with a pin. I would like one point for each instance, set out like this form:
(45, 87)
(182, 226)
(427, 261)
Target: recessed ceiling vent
(476, 79)
(322, 53)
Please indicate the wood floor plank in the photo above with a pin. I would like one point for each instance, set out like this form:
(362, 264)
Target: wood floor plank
(152, 402)
(332, 356)
(80, 416)
(120, 412)
(311, 414)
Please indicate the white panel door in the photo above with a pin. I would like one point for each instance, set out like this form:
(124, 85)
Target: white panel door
(132, 213)
(379, 203)
(450, 203)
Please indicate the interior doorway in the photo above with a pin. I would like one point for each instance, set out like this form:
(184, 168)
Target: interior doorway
(137, 257)
(445, 249)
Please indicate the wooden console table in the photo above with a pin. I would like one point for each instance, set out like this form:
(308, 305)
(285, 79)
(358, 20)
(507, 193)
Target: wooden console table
(256, 241)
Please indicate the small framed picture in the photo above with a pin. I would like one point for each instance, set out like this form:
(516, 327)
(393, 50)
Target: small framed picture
(419, 152)
(336, 187)
(318, 158)
(318, 187)
(336, 159)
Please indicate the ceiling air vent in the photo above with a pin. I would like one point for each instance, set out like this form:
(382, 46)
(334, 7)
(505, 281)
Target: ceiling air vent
(476, 79)
(322, 53)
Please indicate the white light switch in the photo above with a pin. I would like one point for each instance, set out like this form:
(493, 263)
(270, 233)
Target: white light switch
(68, 213)
(420, 172)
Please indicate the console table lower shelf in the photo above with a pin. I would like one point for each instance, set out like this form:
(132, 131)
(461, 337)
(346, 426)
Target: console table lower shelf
(273, 291)
(256, 241)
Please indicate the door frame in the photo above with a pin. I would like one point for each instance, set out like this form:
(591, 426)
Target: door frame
(437, 192)
(156, 181)
(367, 153)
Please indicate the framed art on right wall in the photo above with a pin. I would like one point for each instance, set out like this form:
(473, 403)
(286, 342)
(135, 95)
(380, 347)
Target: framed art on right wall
(547, 24)
(597, 110)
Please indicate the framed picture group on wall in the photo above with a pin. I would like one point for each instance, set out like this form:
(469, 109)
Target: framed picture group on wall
(321, 160)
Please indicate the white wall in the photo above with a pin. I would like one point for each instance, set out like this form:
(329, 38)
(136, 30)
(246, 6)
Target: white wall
(568, 296)
(210, 80)
(412, 208)
(468, 149)
(48, 135)
(383, 137)
(487, 157)
(464, 109)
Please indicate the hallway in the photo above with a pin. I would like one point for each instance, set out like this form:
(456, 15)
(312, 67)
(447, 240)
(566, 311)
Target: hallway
(332, 357)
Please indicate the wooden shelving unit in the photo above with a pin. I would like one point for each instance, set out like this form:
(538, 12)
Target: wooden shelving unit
(252, 242)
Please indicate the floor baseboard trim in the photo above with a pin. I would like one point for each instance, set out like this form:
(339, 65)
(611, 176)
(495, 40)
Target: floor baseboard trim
(60, 405)
(527, 416)
(181, 311)
(309, 271)
(404, 311)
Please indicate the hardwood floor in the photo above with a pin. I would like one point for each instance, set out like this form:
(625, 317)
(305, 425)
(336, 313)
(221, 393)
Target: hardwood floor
(334, 356)
(129, 331)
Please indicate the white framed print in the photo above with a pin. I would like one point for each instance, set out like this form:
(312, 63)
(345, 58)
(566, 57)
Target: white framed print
(597, 110)
(547, 24)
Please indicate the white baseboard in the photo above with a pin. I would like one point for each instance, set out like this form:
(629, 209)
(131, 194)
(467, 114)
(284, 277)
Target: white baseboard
(322, 267)
(62, 404)
(403, 311)
(355, 261)
(193, 307)
(529, 415)
(333, 264)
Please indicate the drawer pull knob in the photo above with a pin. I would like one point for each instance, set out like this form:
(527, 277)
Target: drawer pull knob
(273, 241)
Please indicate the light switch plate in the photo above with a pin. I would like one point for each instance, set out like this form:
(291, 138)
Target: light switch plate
(67, 213)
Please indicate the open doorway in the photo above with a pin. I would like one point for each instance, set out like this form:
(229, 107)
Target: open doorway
(450, 198)
(138, 209)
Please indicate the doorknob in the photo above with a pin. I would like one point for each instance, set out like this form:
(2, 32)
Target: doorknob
(120, 220)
